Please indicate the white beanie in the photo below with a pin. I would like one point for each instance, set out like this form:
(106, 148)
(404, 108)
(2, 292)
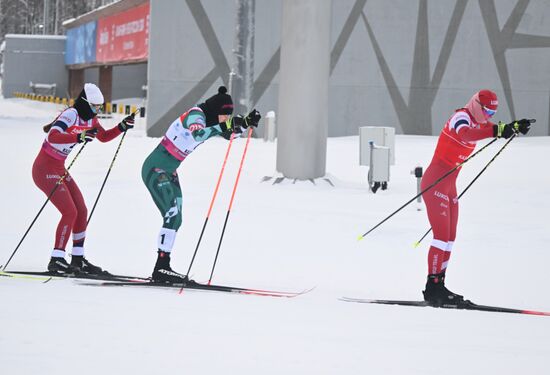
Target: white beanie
(93, 94)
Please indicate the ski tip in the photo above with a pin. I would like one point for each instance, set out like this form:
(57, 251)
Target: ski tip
(533, 312)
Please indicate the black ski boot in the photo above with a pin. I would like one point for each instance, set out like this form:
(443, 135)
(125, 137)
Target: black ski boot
(163, 273)
(59, 265)
(82, 265)
(437, 295)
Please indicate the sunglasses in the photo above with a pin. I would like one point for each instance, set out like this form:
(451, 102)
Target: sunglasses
(488, 111)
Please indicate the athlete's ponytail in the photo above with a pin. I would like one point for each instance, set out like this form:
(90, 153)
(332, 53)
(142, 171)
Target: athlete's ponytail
(47, 128)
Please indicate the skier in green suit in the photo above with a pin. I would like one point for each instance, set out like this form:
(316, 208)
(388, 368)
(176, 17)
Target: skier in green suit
(159, 171)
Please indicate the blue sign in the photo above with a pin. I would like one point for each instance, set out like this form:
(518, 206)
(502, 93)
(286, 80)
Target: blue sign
(81, 44)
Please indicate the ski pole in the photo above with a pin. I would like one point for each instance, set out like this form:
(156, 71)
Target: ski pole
(108, 172)
(59, 182)
(425, 190)
(211, 202)
(417, 243)
(231, 203)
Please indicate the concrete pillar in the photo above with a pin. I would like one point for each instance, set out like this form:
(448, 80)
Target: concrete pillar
(243, 54)
(106, 82)
(302, 125)
(76, 82)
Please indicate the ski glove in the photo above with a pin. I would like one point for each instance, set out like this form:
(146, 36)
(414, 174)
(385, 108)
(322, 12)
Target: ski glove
(127, 123)
(523, 126)
(86, 135)
(229, 127)
(502, 130)
(236, 125)
(252, 119)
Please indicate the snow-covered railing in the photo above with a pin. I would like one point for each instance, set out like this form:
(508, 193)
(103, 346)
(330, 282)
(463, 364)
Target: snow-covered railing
(120, 108)
(43, 88)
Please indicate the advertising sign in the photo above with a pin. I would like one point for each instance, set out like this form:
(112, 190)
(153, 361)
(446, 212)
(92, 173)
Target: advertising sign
(123, 36)
(81, 44)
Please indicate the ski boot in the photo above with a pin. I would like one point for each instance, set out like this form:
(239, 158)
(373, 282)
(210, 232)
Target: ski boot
(163, 273)
(60, 266)
(82, 265)
(437, 295)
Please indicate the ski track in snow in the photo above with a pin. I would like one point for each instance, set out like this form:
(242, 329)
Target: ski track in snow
(288, 237)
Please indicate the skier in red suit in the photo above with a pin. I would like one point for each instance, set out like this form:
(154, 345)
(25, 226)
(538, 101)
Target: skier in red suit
(74, 125)
(456, 143)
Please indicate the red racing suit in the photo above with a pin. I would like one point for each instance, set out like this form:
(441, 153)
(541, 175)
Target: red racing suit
(455, 144)
(49, 167)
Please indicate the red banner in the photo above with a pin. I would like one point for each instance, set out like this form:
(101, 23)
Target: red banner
(123, 36)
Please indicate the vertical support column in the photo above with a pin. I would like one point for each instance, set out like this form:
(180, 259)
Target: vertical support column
(56, 23)
(46, 20)
(76, 82)
(243, 52)
(303, 91)
(106, 82)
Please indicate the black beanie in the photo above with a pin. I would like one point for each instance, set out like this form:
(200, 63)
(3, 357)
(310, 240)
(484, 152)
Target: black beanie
(83, 108)
(219, 104)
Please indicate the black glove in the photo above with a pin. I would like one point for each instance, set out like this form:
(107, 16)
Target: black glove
(86, 135)
(229, 127)
(234, 125)
(237, 122)
(523, 126)
(252, 119)
(502, 130)
(127, 123)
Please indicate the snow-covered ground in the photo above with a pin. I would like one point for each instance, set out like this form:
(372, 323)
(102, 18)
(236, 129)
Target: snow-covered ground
(287, 236)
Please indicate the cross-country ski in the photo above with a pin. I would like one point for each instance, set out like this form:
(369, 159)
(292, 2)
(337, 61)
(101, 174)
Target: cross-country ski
(465, 306)
(202, 287)
(50, 275)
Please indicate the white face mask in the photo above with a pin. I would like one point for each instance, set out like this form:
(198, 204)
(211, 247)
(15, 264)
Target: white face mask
(96, 108)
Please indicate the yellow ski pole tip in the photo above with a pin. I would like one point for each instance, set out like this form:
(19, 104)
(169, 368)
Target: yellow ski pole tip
(416, 244)
(360, 238)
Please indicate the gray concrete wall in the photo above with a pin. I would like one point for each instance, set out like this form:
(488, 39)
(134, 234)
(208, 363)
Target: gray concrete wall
(190, 46)
(33, 58)
(128, 80)
(401, 63)
(40, 59)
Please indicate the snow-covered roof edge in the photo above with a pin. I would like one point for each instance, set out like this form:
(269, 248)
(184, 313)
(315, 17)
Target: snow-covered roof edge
(34, 36)
(103, 11)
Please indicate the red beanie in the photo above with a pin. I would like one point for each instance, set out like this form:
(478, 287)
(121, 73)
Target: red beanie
(488, 99)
